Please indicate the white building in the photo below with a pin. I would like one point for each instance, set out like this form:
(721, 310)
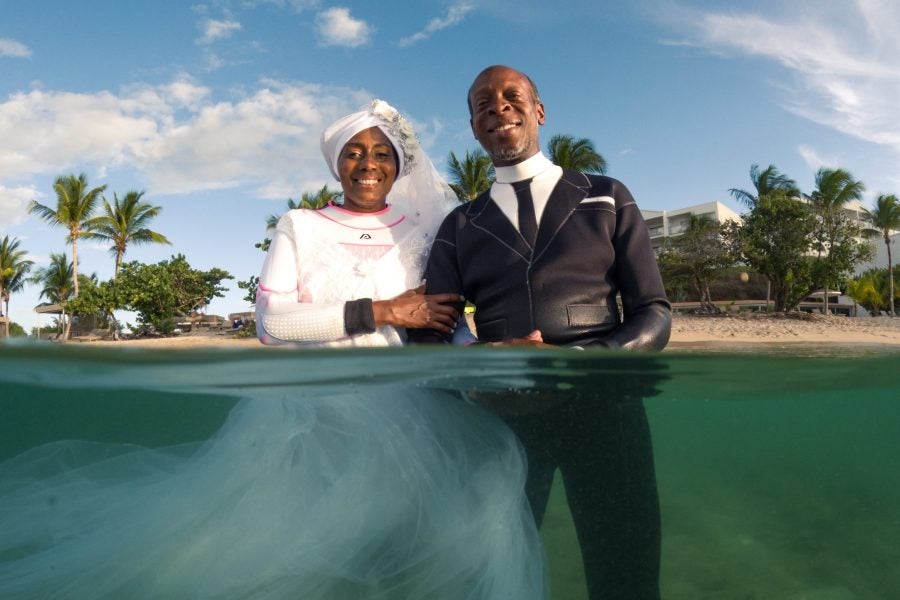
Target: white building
(880, 260)
(667, 223)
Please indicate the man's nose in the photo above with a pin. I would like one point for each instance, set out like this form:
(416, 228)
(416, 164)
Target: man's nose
(499, 105)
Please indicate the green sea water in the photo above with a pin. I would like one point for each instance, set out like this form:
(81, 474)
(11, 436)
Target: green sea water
(779, 472)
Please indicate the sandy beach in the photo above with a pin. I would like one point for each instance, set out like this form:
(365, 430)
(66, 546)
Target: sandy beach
(688, 332)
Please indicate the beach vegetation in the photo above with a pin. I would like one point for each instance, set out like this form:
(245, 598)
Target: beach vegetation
(14, 268)
(251, 285)
(836, 237)
(576, 154)
(886, 221)
(97, 302)
(75, 204)
(866, 290)
(162, 292)
(471, 176)
(124, 222)
(57, 283)
(775, 240)
(765, 181)
(16, 330)
(693, 259)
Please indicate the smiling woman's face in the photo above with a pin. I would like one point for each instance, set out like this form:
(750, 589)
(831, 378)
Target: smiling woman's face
(368, 169)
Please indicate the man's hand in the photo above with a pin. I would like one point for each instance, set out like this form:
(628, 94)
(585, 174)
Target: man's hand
(534, 339)
(415, 310)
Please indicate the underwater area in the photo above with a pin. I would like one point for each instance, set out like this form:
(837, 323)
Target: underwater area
(778, 472)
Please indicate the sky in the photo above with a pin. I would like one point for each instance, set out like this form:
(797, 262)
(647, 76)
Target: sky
(215, 109)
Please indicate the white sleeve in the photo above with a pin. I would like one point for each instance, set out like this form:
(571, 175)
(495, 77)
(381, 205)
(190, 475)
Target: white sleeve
(280, 315)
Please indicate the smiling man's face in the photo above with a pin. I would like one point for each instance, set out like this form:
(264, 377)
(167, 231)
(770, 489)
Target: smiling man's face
(505, 115)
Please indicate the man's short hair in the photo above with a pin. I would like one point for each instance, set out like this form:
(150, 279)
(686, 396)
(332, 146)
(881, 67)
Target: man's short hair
(535, 95)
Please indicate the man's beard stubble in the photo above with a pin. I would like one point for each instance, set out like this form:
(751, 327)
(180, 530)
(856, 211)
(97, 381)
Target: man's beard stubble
(509, 154)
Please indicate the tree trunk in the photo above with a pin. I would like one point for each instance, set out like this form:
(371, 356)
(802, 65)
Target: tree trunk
(67, 333)
(890, 280)
(113, 326)
(74, 235)
(780, 298)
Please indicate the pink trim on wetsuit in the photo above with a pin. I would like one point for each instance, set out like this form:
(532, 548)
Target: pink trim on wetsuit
(359, 214)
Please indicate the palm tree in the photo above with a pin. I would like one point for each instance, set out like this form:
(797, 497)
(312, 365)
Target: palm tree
(885, 219)
(864, 291)
(472, 176)
(57, 279)
(123, 223)
(575, 154)
(765, 181)
(74, 206)
(13, 268)
(834, 189)
(313, 201)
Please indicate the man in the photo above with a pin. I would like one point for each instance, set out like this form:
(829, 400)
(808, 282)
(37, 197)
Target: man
(543, 256)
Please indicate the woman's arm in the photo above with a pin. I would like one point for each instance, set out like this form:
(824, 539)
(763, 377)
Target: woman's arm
(280, 315)
(282, 318)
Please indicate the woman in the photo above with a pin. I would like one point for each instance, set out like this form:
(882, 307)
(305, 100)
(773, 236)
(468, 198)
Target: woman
(350, 275)
(380, 493)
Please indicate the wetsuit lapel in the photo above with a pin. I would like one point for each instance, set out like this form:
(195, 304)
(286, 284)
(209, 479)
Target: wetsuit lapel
(569, 191)
(487, 217)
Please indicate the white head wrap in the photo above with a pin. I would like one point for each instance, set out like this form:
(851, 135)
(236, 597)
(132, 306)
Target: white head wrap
(419, 191)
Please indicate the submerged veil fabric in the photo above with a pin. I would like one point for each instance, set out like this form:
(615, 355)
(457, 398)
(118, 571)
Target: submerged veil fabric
(350, 495)
(381, 492)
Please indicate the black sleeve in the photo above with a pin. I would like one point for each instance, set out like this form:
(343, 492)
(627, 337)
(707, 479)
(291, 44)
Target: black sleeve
(647, 314)
(359, 316)
(442, 276)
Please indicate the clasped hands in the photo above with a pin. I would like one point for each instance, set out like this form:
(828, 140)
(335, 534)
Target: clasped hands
(414, 309)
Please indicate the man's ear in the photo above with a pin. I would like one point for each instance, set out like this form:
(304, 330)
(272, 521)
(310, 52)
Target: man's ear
(539, 108)
(472, 127)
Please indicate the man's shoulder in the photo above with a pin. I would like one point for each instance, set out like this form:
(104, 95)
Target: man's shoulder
(474, 206)
(599, 186)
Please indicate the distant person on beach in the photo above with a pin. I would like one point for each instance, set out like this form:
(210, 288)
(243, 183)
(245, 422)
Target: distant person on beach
(378, 492)
(544, 256)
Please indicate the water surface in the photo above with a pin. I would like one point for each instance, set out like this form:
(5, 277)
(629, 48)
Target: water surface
(779, 473)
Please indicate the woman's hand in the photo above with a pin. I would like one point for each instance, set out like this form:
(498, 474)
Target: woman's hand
(416, 310)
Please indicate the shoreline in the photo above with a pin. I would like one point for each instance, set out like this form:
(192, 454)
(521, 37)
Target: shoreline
(719, 333)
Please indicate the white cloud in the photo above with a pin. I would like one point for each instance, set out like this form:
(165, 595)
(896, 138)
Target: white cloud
(455, 15)
(14, 204)
(843, 59)
(13, 48)
(297, 5)
(214, 29)
(814, 160)
(47, 131)
(176, 137)
(337, 28)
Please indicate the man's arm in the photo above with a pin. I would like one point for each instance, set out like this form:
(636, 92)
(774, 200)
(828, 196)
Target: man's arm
(647, 314)
(442, 276)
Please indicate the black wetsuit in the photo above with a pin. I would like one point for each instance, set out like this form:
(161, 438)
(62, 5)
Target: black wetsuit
(592, 245)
